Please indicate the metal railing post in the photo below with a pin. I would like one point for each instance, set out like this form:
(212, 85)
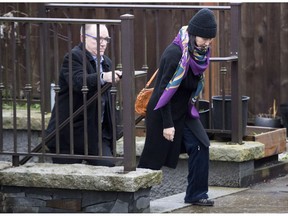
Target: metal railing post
(46, 62)
(127, 41)
(236, 93)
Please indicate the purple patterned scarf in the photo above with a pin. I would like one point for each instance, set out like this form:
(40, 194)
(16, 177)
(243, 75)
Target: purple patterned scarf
(198, 68)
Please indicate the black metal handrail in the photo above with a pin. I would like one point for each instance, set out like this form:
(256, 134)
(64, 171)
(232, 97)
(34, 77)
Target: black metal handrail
(59, 20)
(127, 41)
(135, 6)
(124, 21)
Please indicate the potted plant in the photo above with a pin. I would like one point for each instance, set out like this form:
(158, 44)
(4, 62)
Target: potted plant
(284, 115)
(269, 119)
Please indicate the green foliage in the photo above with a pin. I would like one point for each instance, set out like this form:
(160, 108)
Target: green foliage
(21, 106)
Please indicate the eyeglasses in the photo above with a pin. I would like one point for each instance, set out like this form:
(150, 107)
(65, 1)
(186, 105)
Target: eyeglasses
(106, 39)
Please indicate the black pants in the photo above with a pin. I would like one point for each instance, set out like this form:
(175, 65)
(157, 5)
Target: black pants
(198, 165)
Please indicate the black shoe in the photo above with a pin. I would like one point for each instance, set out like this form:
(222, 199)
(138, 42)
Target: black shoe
(203, 202)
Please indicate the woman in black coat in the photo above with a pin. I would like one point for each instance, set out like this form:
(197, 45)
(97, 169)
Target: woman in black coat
(92, 110)
(172, 122)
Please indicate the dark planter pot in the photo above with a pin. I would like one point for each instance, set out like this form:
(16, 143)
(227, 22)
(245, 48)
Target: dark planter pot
(268, 122)
(284, 115)
(218, 113)
(204, 113)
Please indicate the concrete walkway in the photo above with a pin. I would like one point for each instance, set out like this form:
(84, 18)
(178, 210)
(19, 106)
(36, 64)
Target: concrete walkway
(171, 203)
(266, 197)
(262, 197)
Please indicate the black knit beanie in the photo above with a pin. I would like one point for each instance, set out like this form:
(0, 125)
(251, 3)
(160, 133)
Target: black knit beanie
(203, 24)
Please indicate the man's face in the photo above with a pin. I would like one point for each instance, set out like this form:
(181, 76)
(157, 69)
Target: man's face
(91, 39)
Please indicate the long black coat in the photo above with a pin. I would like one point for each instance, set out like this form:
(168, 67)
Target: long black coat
(92, 111)
(158, 151)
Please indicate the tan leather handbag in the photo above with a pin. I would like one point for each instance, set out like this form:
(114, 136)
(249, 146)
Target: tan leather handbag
(143, 97)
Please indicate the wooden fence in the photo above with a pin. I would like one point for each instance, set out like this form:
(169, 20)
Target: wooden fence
(263, 44)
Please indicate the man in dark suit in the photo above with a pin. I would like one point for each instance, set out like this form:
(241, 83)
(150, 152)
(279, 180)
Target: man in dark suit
(77, 73)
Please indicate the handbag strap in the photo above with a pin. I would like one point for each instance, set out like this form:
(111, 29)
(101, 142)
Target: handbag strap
(151, 79)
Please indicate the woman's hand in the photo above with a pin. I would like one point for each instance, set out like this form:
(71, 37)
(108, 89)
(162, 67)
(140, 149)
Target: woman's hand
(169, 133)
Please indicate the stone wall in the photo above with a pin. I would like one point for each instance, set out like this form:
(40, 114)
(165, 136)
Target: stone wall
(42, 188)
(43, 200)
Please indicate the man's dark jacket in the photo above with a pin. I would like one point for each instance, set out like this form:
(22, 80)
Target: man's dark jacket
(92, 110)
